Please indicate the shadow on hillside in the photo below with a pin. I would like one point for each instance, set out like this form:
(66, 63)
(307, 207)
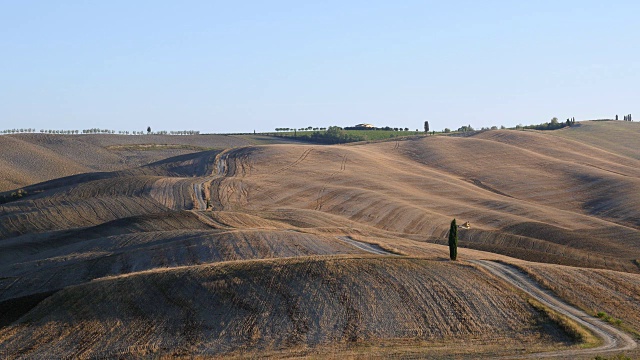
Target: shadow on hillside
(13, 309)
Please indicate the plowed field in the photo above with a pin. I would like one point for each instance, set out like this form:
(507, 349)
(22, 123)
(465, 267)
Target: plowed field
(309, 250)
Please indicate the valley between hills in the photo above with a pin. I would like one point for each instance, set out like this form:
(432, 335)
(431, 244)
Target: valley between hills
(206, 246)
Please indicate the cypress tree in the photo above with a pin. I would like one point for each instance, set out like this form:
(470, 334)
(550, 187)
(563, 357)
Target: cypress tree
(453, 240)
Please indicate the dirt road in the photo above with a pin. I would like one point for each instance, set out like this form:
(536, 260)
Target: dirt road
(221, 168)
(612, 338)
(372, 248)
(197, 190)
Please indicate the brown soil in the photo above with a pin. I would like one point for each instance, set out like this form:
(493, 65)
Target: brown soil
(31, 158)
(301, 303)
(237, 251)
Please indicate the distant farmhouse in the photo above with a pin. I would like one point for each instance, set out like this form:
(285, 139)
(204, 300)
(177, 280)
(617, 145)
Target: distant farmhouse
(364, 126)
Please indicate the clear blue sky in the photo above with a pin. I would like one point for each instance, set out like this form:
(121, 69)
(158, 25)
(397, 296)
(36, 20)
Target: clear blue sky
(236, 66)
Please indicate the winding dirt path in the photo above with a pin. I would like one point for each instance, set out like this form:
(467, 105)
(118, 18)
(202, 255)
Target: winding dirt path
(197, 190)
(221, 169)
(612, 338)
(372, 248)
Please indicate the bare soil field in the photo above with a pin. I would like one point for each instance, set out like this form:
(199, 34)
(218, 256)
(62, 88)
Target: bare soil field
(301, 303)
(619, 137)
(521, 202)
(297, 250)
(31, 158)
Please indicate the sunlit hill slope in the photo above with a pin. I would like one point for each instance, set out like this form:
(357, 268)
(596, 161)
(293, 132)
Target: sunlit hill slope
(243, 249)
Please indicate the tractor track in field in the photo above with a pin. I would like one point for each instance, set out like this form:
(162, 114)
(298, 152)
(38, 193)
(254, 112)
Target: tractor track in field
(302, 158)
(321, 193)
(612, 338)
(227, 165)
(221, 170)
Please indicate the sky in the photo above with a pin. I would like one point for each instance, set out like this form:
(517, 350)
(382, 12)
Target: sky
(240, 66)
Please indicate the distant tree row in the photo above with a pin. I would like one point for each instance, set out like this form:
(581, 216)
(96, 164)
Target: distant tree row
(124, 132)
(184, 132)
(31, 130)
(333, 135)
(465, 128)
(161, 132)
(309, 128)
(385, 128)
(17, 131)
(552, 125)
(493, 128)
(99, 131)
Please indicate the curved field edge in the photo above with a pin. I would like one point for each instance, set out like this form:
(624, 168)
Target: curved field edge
(611, 295)
(570, 318)
(567, 316)
(284, 305)
(578, 333)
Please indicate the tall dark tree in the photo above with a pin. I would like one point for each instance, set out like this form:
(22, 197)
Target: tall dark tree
(453, 240)
(148, 129)
(426, 126)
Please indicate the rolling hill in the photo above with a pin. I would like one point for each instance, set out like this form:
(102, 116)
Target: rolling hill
(245, 250)
(32, 158)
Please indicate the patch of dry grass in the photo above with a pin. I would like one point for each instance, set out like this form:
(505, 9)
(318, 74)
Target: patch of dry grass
(577, 332)
(612, 294)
